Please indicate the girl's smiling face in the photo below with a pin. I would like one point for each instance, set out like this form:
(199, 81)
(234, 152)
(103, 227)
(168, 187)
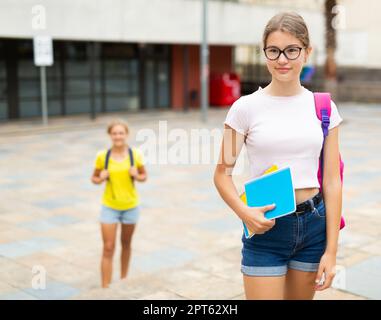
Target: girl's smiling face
(283, 69)
(118, 135)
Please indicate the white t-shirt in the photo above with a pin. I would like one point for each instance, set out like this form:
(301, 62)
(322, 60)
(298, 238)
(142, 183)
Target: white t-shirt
(282, 130)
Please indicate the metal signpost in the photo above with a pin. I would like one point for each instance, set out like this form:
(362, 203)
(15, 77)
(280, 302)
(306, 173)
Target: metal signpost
(43, 56)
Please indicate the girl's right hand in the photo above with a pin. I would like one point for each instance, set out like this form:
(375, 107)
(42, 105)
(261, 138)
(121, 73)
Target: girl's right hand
(254, 218)
(104, 174)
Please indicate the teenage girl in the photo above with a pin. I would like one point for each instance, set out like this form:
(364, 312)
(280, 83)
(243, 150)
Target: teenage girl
(120, 202)
(287, 257)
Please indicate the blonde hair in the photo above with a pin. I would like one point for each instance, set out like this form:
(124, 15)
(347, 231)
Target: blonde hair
(116, 122)
(290, 22)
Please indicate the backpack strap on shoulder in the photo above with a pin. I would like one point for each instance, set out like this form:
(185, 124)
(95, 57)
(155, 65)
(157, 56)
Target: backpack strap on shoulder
(323, 109)
(107, 158)
(132, 161)
(323, 112)
(131, 155)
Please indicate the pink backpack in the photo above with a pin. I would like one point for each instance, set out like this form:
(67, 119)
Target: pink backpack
(323, 112)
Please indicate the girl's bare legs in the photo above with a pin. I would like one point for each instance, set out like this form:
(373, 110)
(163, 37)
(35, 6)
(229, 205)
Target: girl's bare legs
(108, 236)
(126, 238)
(300, 285)
(264, 288)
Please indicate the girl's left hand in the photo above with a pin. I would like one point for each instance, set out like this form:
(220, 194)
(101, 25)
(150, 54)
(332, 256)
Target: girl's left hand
(328, 267)
(133, 172)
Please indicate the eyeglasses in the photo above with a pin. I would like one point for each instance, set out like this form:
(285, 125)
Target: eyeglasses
(291, 53)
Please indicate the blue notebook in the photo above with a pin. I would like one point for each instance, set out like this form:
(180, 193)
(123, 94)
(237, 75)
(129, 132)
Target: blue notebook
(275, 187)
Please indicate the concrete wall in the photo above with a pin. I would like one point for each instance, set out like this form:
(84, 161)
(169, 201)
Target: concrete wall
(160, 21)
(178, 21)
(359, 41)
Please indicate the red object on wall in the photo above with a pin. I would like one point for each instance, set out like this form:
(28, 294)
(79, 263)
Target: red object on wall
(221, 60)
(224, 89)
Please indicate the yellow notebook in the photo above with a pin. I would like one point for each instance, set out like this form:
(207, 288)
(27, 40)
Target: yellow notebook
(248, 233)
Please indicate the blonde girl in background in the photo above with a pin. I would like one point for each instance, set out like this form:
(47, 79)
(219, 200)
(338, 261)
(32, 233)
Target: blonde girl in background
(119, 167)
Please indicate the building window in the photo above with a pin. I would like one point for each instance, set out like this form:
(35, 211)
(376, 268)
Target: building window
(121, 76)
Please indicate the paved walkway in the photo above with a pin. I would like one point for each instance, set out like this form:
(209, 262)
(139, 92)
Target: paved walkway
(187, 244)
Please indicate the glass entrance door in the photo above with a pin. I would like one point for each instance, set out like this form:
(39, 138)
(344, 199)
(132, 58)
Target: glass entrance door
(163, 83)
(155, 76)
(149, 84)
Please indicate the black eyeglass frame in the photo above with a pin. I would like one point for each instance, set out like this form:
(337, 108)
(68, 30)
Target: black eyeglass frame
(283, 51)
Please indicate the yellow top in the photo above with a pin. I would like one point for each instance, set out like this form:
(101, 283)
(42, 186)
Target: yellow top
(120, 193)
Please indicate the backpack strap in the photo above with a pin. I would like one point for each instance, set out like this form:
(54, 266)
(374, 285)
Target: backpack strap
(323, 112)
(132, 162)
(323, 109)
(107, 158)
(131, 154)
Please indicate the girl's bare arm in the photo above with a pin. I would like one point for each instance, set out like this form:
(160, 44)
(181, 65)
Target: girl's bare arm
(253, 217)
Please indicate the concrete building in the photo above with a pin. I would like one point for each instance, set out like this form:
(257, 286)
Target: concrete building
(115, 55)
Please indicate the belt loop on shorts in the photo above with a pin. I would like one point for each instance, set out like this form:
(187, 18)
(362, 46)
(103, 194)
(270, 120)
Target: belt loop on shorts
(312, 205)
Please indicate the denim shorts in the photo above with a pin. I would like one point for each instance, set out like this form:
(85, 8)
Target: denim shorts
(109, 215)
(297, 241)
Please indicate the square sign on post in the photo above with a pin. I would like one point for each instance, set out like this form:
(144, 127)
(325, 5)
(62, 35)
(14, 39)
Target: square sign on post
(43, 57)
(43, 50)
